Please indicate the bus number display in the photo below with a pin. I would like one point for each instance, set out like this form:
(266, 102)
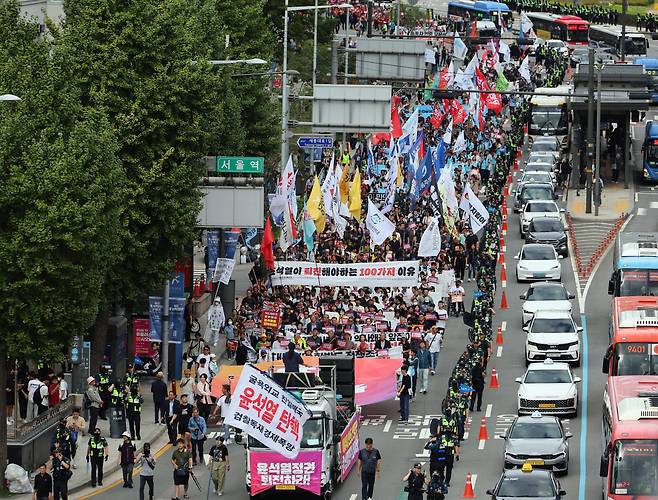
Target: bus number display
(636, 348)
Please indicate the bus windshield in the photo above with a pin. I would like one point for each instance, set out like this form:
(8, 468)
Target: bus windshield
(578, 35)
(638, 283)
(635, 468)
(548, 120)
(635, 358)
(636, 46)
(651, 152)
(312, 436)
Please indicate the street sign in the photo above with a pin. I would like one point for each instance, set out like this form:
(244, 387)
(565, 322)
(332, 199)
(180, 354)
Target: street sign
(308, 142)
(240, 165)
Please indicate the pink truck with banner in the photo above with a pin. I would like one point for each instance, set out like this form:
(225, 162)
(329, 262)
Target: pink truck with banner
(330, 439)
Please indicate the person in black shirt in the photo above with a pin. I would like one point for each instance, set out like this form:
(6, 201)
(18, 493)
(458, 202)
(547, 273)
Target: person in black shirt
(477, 378)
(184, 415)
(369, 468)
(382, 342)
(61, 469)
(219, 464)
(292, 359)
(404, 393)
(159, 391)
(415, 482)
(97, 452)
(127, 452)
(43, 485)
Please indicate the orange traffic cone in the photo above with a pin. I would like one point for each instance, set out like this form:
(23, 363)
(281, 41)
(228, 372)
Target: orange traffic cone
(516, 164)
(484, 435)
(468, 488)
(197, 290)
(503, 273)
(504, 227)
(499, 336)
(493, 384)
(519, 153)
(501, 258)
(202, 285)
(506, 191)
(525, 125)
(504, 207)
(510, 179)
(503, 301)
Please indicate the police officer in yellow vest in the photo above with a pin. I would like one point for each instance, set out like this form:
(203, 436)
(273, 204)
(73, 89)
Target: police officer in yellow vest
(104, 391)
(116, 396)
(97, 453)
(134, 412)
(132, 380)
(445, 466)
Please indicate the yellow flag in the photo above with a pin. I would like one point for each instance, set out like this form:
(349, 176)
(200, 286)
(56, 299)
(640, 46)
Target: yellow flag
(355, 196)
(315, 206)
(399, 180)
(344, 185)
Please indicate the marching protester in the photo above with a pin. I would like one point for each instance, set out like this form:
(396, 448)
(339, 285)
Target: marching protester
(127, 459)
(181, 460)
(219, 464)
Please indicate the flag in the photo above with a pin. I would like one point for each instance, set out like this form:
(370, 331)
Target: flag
(430, 241)
(463, 81)
(396, 127)
(460, 143)
(459, 48)
(435, 199)
(410, 128)
(446, 77)
(439, 157)
(437, 116)
(378, 137)
(344, 185)
(524, 70)
(480, 80)
(501, 83)
(476, 210)
(504, 50)
(525, 26)
(316, 207)
(479, 113)
(458, 112)
(378, 225)
(355, 196)
(501, 19)
(447, 136)
(472, 66)
(309, 230)
(340, 223)
(424, 174)
(266, 246)
(288, 231)
(390, 195)
(493, 102)
(328, 188)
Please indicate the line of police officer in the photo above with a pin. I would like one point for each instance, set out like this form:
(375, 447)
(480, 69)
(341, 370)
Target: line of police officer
(125, 396)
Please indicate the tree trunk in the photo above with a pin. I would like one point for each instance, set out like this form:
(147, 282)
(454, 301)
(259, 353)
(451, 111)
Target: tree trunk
(3, 412)
(99, 339)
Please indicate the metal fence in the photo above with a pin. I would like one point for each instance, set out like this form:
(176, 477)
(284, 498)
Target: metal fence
(26, 432)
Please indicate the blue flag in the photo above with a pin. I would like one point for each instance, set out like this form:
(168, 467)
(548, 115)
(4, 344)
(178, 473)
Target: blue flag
(439, 158)
(424, 174)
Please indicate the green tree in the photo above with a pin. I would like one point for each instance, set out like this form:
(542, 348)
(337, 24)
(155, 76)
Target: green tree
(60, 204)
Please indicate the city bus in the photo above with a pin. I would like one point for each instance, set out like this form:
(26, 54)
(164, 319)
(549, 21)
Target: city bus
(636, 43)
(570, 29)
(635, 265)
(650, 152)
(481, 11)
(651, 69)
(548, 113)
(629, 453)
(633, 336)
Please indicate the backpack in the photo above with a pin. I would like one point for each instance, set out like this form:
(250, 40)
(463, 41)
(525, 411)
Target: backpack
(86, 401)
(36, 396)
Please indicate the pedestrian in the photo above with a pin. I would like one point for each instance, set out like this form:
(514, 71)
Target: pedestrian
(32, 385)
(415, 480)
(222, 405)
(187, 385)
(127, 459)
(97, 453)
(43, 485)
(63, 387)
(204, 396)
(93, 402)
(146, 461)
(61, 470)
(184, 415)
(53, 392)
(159, 391)
(404, 393)
(434, 338)
(424, 364)
(369, 468)
(172, 409)
(219, 464)
(477, 381)
(412, 361)
(197, 428)
(229, 330)
(76, 425)
(181, 460)
(134, 412)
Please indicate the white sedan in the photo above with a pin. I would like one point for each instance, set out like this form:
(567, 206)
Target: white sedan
(536, 208)
(552, 334)
(544, 296)
(548, 387)
(538, 261)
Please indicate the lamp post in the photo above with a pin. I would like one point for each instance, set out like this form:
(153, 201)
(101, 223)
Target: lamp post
(597, 165)
(284, 79)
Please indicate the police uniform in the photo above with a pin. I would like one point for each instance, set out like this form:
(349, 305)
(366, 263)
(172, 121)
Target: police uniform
(96, 455)
(134, 414)
(104, 391)
(61, 476)
(116, 397)
(445, 466)
(132, 381)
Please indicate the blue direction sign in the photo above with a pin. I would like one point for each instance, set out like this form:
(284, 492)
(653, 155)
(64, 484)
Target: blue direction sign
(309, 142)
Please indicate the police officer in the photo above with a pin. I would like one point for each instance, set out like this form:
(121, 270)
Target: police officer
(134, 412)
(445, 467)
(437, 451)
(415, 480)
(61, 471)
(62, 439)
(132, 380)
(116, 396)
(97, 453)
(104, 390)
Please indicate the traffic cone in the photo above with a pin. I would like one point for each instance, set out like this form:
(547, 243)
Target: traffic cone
(484, 435)
(197, 290)
(525, 125)
(501, 258)
(519, 153)
(510, 179)
(505, 191)
(504, 207)
(503, 274)
(493, 384)
(516, 164)
(499, 336)
(504, 227)
(503, 301)
(202, 285)
(468, 488)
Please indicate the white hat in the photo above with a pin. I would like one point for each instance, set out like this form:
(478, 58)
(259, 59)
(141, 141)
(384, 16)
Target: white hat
(126, 434)
(90, 380)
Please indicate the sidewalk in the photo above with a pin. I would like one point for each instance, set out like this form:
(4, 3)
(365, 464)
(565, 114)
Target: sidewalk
(615, 201)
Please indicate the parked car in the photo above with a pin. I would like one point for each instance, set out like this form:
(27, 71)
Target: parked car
(538, 262)
(548, 387)
(552, 334)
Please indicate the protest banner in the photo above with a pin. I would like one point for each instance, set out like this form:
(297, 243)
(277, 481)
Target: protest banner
(375, 380)
(271, 316)
(271, 470)
(348, 446)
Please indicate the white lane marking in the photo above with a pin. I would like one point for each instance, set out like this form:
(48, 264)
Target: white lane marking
(424, 433)
(574, 269)
(465, 435)
(387, 425)
(424, 454)
(637, 197)
(481, 445)
(499, 351)
(653, 204)
(503, 325)
(353, 496)
(503, 249)
(474, 478)
(487, 413)
(642, 211)
(503, 283)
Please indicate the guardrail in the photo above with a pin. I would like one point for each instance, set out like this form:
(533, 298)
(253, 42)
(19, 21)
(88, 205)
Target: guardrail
(26, 432)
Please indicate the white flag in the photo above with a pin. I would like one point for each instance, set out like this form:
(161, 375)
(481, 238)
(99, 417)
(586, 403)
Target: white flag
(463, 81)
(410, 128)
(447, 188)
(476, 210)
(504, 50)
(329, 186)
(379, 226)
(390, 195)
(524, 70)
(447, 136)
(472, 66)
(286, 237)
(430, 241)
(460, 143)
(459, 48)
(339, 221)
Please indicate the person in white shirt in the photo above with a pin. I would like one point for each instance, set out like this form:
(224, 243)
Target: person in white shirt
(33, 384)
(433, 340)
(442, 315)
(63, 388)
(457, 293)
(223, 403)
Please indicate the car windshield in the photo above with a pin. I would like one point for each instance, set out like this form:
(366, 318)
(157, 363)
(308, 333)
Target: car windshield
(312, 435)
(579, 52)
(542, 157)
(635, 468)
(536, 193)
(526, 485)
(536, 430)
(536, 177)
(546, 225)
(552, 325)
(538, 253)
(547, 377)
(547, 293)
(541, 207)
(539, 167)
(547, 121)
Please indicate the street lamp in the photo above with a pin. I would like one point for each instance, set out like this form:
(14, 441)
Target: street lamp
(284, 80)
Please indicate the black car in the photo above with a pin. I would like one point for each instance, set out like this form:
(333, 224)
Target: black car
(533, 191)
(548, 230)
(527, 484)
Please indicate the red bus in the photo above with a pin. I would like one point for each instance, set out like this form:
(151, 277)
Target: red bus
(629, 458)
(633, 337)
(571, 29)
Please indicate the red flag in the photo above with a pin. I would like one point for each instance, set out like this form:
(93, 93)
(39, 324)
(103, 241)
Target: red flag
(445, 78)
(379, 137)
(266, 245)
(479, 113)
(396, 126)
(458, 113)
(494, 102)
(485, 56)
(480, 80)
(437, 117)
